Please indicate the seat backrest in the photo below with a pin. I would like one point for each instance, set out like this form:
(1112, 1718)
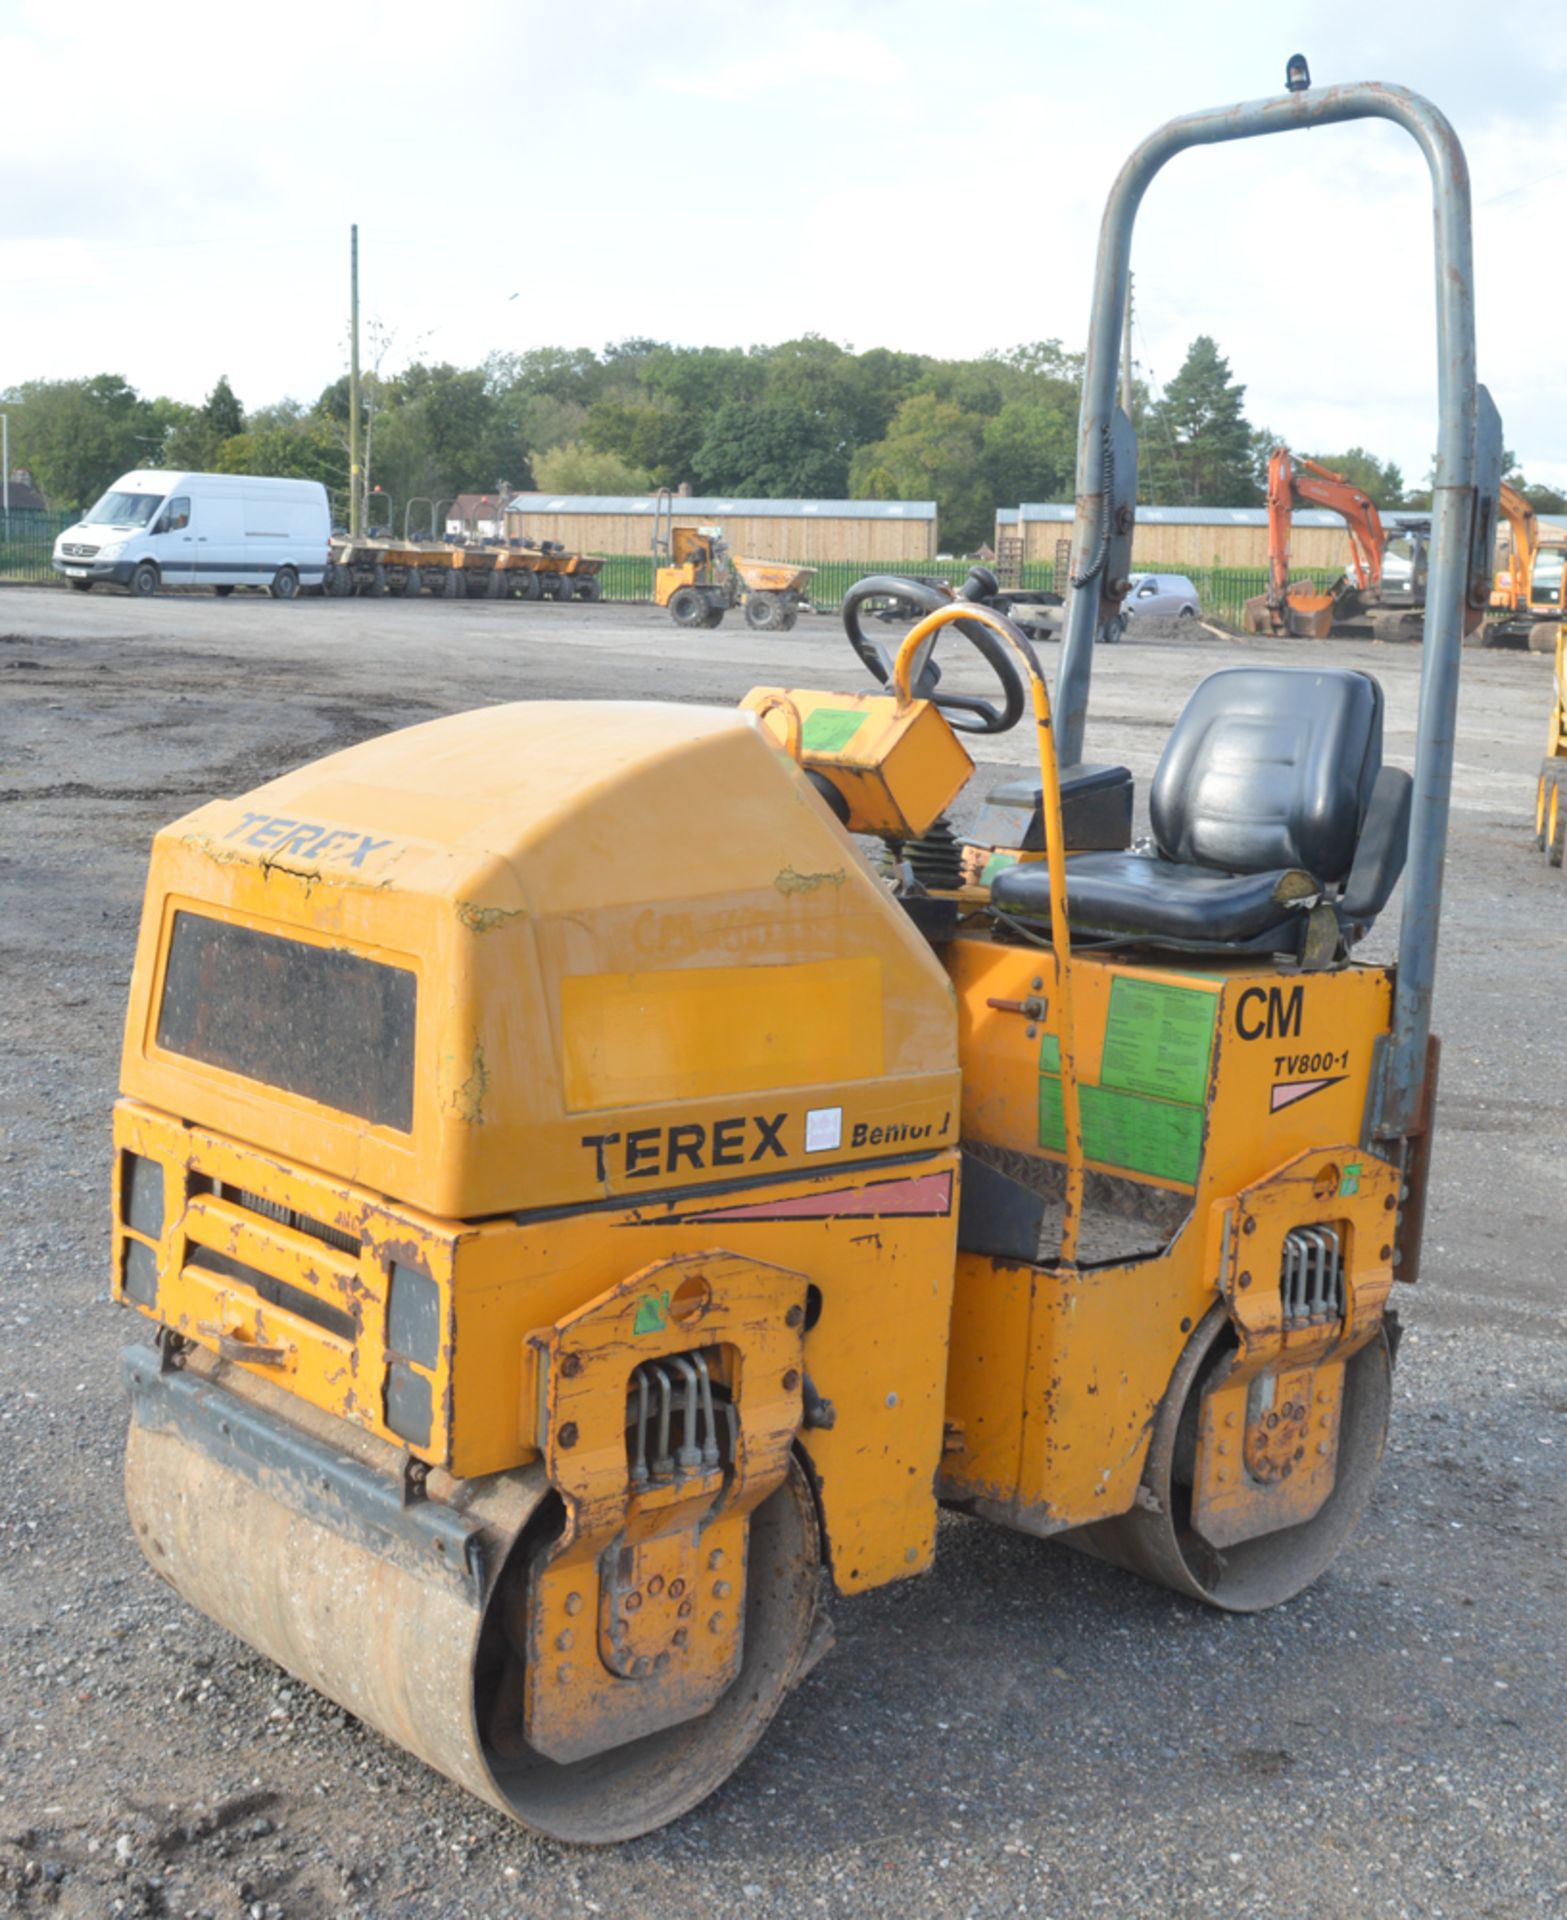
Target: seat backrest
(1270, 767)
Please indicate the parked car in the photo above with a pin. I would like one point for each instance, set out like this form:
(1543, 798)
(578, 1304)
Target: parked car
(1170, 596)
(218, 530)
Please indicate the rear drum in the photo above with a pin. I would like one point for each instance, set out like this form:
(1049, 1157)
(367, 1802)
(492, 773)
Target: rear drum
(1252, 1575)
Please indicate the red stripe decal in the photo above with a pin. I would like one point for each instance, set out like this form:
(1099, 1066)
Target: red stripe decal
(1287, 1092)
(925, 1193)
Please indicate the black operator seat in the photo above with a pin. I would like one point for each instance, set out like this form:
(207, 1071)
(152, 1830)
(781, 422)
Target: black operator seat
(1270, 799)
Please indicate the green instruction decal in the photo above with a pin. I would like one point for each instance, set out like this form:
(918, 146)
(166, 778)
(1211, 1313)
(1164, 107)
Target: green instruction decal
(1159, 1040)
(1350, 1183)
(1127, 1130)
(997, 863)
(829, 730)
(1146, 1114)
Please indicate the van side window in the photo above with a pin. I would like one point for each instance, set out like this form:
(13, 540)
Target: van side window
(177, 515)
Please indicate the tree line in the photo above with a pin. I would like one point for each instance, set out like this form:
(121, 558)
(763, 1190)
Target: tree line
(803, 419)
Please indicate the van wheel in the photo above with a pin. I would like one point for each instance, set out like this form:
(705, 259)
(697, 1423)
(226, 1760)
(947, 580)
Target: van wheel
(1187, 613)
(1112, 630)
(285, 584)
(145, 579)
(223, 592)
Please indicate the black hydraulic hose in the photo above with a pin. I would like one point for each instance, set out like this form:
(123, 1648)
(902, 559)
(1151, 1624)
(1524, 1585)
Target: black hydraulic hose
(1106, 498)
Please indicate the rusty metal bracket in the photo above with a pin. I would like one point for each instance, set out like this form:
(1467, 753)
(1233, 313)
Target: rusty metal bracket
(635, 1614)
(1304, 1260)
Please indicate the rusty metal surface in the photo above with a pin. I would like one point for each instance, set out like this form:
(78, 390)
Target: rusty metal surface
(1158, 1539)
(609, 1659)
(1267, 1452)
(345, 1595)
(391, 1646)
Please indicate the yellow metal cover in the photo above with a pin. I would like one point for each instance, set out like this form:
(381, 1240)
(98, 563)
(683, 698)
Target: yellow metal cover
(565, 889)
(898, 771)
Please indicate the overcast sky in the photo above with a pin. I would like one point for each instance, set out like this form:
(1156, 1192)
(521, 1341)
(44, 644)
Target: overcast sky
(178, 181)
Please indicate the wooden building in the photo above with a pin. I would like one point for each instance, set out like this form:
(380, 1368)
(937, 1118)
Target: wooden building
(1182, 537)
(1179, 538)
(805, 531)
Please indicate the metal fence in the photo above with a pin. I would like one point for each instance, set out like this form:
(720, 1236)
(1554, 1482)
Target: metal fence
(27, 543)
(1222, 592)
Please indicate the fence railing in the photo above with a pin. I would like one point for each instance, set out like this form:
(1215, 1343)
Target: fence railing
(27, 544)
(1222, 592)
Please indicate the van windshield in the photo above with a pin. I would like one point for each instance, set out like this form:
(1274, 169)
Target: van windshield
(124, 510)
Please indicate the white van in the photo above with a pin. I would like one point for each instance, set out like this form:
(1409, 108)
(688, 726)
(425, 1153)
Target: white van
(218, 530)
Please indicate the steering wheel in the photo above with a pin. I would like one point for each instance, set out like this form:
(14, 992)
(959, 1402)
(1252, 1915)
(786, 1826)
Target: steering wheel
(966, 712)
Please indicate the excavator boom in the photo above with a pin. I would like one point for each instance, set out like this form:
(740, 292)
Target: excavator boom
(1294, 481)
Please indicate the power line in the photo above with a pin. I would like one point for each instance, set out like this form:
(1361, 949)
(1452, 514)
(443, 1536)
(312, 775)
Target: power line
(1528, 186)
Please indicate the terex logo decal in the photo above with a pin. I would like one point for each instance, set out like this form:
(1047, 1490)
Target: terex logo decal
(1270, 1012)
(304, 838)
(742, 1140)
(647, 1151)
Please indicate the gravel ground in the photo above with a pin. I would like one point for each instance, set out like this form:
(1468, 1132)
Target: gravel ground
(1023, 1731)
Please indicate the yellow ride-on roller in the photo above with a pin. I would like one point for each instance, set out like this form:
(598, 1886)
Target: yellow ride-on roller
(586, 1218)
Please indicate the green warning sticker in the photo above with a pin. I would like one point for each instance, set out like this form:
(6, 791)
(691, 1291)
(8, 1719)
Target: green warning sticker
(997, 863)
(652, 1313)
(1350, 1183)
(1126, 1130)
(1049, 1053)
(830, 729)
(1158, 1040)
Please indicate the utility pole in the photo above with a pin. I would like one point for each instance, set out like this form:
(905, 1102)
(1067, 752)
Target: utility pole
(5, 467)
(355, 477)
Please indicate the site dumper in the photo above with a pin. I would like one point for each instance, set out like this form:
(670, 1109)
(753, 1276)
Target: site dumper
(586, 1219)
(1550, 809)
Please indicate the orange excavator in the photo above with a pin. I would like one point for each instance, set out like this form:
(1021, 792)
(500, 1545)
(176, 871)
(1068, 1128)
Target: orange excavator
(1299, 609)
(1526, 599)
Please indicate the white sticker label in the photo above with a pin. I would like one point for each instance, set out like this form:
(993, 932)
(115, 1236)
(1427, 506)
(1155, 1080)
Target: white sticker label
(823, 1129)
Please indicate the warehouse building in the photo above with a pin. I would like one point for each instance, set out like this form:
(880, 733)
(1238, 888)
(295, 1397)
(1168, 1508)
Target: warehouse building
(808, 532)
(1184, 537)
(1181, 538)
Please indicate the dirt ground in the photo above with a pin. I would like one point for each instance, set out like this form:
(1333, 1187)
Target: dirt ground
(1022, 1731)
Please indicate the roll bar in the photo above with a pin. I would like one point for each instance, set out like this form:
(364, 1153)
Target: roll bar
(1468, 465)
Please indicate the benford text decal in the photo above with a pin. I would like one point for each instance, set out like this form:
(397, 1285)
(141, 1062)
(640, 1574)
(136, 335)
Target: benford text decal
(304, 837)
(738, 1141)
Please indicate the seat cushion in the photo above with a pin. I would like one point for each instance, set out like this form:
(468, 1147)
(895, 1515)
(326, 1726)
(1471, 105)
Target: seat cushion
(1269, 768)
(1152, 899)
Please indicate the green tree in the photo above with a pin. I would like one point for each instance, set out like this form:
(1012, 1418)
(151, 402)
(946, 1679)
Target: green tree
(771, 449)
(196, 433)
(302, 450)
(1381, 481)
(222, 411)
(1030, 450)
(1196, 437)
(574, 468)
(77, 436)
(648, 434)
(933, 449)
